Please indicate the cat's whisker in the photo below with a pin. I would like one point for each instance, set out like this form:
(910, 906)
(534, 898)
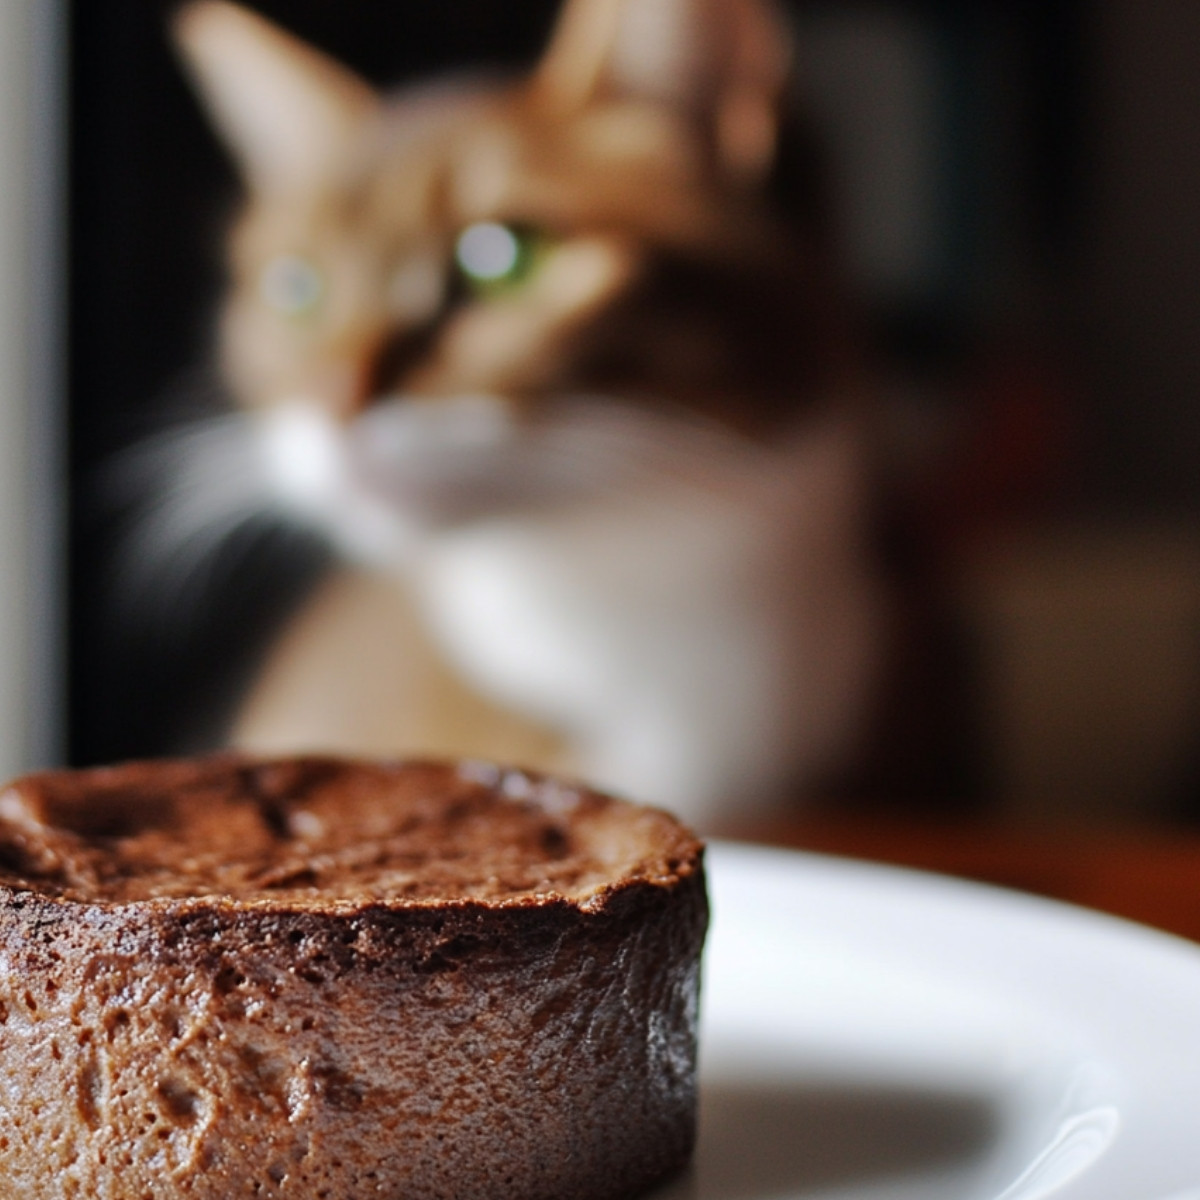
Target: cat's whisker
(619, 446)
(185, 493)
(162, 573)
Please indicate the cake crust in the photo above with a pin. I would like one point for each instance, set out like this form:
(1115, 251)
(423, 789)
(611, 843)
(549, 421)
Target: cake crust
(312, 978)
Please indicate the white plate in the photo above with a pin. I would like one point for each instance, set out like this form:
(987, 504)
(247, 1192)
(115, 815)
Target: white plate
(880, 1034)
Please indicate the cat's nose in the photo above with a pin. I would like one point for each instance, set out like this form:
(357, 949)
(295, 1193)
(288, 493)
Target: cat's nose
(375, 369)
(395, 356)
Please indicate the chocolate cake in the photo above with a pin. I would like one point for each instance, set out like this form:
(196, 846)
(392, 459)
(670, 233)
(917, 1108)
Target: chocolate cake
(322, 979)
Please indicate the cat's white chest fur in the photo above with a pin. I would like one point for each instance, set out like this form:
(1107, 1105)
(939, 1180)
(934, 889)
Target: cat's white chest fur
(700, 637)
(700, 647)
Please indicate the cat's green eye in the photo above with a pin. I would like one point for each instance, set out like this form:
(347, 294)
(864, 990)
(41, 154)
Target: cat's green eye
(492, 256)
(291, 285)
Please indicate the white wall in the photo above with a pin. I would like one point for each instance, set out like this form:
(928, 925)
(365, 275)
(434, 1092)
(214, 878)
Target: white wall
(31, 492)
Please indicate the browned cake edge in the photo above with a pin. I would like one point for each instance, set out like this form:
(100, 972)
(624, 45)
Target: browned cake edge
(57, 827)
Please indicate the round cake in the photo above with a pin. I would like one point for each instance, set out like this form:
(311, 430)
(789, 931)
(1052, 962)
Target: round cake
(324, 979)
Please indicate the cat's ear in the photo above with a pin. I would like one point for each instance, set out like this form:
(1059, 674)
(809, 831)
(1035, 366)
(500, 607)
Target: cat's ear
(284, 109)
(722, 63)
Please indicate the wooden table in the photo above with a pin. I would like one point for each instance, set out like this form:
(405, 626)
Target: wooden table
(1146, 875)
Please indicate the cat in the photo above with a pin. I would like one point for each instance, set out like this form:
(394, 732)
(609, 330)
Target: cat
(571, 396)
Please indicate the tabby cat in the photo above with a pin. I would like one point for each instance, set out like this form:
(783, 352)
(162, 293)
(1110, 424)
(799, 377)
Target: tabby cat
(548, 365)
